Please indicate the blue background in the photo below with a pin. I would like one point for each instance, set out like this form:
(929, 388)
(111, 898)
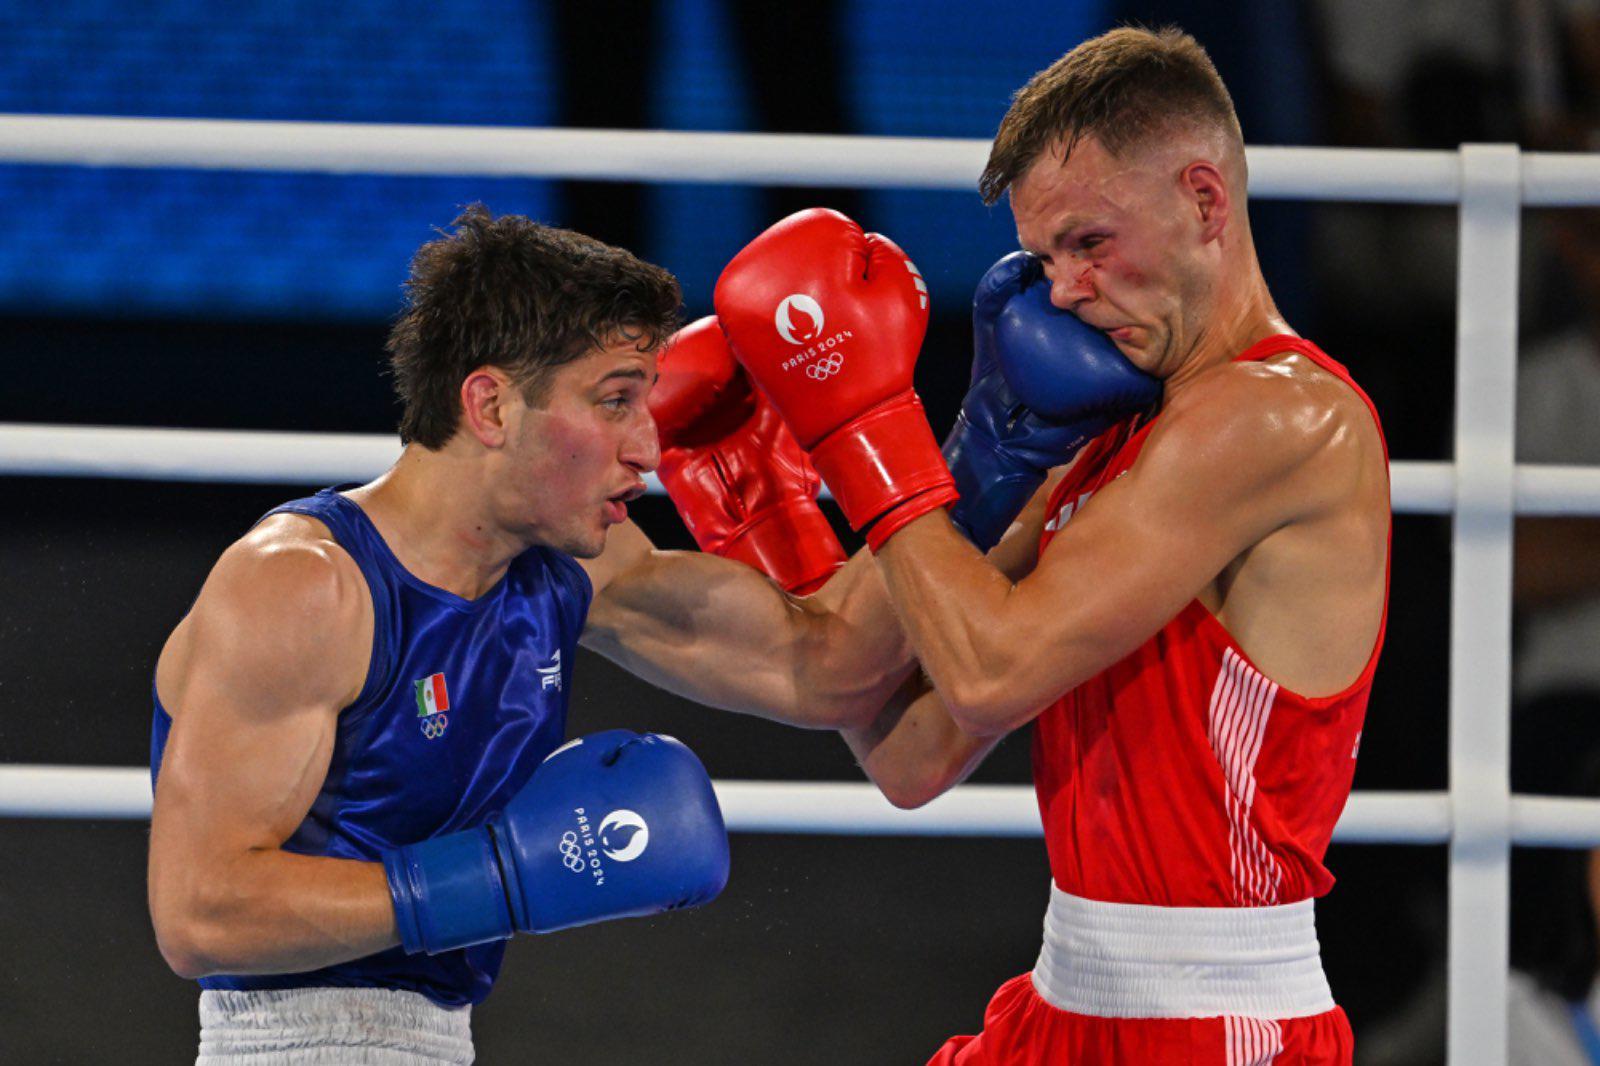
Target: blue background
(172, 243)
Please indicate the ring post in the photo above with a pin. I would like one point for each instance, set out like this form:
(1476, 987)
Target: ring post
(1480, 603)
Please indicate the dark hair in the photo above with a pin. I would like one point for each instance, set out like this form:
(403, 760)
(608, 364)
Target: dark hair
(1122, 88)
(516, 294)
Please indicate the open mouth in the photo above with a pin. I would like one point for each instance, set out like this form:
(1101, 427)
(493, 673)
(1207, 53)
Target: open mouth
(617, 506)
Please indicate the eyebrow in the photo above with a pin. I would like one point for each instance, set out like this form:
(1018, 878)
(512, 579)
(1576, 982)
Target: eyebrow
(631, 373)
(1055, 238)
(1071, 226)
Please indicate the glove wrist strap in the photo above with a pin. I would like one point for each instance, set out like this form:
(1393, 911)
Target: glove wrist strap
(791, 542)
(448, 893)
(883, 459)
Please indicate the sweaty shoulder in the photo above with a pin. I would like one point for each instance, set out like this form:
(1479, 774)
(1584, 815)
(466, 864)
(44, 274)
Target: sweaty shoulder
(284, 606)
(1280, 420)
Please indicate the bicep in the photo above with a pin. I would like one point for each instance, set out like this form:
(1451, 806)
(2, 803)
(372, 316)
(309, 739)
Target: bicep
(237, 774)
(1147, 544)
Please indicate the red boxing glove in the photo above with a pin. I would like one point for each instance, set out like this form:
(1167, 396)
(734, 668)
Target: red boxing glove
(828, 321)
(743, 486)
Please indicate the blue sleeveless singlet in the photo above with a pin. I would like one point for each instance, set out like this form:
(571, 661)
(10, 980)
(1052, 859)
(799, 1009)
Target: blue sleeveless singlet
(463, 700)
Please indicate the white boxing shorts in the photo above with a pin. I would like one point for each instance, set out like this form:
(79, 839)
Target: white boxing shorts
(317, 1026)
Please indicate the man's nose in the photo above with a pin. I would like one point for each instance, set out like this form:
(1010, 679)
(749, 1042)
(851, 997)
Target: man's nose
(1070, 284)
(641, 449)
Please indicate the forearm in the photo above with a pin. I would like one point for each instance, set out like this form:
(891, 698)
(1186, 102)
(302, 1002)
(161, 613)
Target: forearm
(722, 634)
(913, 750)
(862, 653)
(953, 604)
(272, 911)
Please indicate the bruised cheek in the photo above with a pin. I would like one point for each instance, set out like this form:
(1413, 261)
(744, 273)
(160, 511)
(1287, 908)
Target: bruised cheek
(1125, 272)
(1116, 281)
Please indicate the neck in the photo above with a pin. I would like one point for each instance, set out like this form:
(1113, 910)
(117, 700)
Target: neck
(1242, 314)
(432, 508)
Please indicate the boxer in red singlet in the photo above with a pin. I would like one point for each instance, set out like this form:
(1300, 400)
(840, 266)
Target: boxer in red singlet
(1190, 612)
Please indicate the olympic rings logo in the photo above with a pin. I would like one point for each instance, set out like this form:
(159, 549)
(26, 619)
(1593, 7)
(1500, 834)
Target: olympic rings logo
(826, 367)
(434, 725)
(571, 853)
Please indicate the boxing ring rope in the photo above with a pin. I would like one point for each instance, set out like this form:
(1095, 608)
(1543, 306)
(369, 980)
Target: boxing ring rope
(1483, 488)
(267, 456)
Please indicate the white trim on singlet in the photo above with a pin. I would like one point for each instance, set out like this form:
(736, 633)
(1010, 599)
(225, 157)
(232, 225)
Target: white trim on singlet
(1241, 704)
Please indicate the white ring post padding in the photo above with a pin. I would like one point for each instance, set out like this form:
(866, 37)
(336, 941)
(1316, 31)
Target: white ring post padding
(239, 456)
(1372, 175)
(1480, 603)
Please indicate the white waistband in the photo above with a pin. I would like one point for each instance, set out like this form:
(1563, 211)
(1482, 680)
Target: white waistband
(1127, 960)
(368, 1026)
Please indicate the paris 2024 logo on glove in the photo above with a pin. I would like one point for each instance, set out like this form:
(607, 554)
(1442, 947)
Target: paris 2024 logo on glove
(784, 318)
(621, 836)
(799, 320)
(819, 357)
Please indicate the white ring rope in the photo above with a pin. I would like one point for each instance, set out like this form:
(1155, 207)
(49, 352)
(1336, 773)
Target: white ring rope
(239, 456)
(812, 807)
(1373, 175)
(849, 809)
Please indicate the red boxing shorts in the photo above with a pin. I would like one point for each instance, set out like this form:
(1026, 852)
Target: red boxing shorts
(1020, 1029)
(1129, 985)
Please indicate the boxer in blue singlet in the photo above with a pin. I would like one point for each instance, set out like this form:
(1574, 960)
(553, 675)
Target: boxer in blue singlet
(360, 785)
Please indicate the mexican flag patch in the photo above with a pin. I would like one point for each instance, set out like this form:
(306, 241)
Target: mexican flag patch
(431, 695)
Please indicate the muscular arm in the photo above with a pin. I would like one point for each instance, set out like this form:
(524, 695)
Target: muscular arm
(254, 678)
(1222, 469)
(722, 634)
(913, 750)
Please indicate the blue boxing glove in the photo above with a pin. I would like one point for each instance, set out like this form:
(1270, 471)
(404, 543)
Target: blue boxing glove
(1043, 385)
(615, 825)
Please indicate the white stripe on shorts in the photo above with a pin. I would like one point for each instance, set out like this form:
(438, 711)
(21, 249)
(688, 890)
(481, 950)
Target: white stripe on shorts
(1252, 1041)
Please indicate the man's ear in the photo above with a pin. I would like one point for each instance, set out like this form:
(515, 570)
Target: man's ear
(1207, 189)
(485, 400)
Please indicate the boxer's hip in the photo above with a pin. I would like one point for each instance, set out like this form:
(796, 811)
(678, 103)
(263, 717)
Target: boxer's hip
(1021, 1029)
(1123, 960)
(307, 1026)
